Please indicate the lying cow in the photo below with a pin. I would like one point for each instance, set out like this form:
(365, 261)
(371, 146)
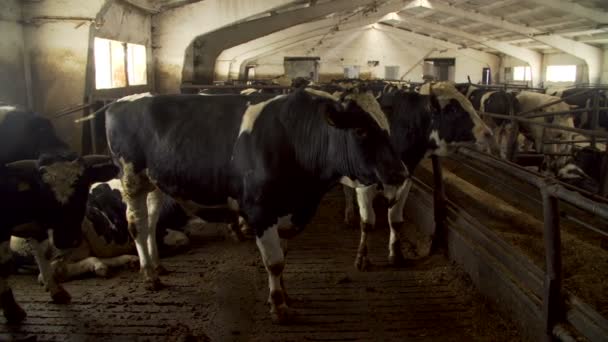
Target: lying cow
(421, 125)
(43, 198)
(107, 243)
(272, 161)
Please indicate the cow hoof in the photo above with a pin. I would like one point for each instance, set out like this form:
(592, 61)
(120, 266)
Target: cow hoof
(15, 314)
(61, 296)
(362, 263)
(161, 270)
(41, 280)
(282, 314)
(396, 260)
(101, 270)
(151, 280)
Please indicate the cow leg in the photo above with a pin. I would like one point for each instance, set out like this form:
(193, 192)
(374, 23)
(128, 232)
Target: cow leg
(135, 195)
(69, 270)
(269, 245)
(395, 221)
(58, 293)
(154, 202)
(349, 209)
(12, 311)
(365, 199)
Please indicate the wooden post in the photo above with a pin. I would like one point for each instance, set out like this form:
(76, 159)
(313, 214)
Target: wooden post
(595, 115)
(439, 207)
(552, 301)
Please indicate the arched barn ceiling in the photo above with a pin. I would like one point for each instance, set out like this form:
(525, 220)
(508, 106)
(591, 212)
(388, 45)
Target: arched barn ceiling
(520, 28)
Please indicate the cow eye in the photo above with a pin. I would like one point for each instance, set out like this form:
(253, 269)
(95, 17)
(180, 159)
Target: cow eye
(360, 132)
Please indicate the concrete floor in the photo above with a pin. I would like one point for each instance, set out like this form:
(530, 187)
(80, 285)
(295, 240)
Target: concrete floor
(218, 291)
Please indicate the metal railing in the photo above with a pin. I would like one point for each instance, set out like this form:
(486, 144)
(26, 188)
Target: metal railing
(594, 134)
(552, 192)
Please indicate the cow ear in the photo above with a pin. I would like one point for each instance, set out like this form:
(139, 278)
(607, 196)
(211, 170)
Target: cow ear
(101, 173)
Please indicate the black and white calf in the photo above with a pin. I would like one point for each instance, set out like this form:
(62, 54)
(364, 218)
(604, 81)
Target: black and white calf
(106, 241)
(272, 161)
(420, 125)
(42, 197)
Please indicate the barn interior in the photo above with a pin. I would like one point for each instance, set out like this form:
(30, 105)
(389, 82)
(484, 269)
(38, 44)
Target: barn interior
(499, 249)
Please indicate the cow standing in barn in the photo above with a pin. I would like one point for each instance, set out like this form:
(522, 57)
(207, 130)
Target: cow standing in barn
(497, 102)
(431, 123)
(272, 161)
(583, 98)
(44, 189)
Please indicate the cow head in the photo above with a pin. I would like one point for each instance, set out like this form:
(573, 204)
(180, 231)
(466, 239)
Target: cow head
(62, 184)
(455, 121)
(370, 156)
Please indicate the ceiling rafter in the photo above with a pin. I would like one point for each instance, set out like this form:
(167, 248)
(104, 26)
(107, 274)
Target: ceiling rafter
(530, 56)
(591, 54)
(596, 14)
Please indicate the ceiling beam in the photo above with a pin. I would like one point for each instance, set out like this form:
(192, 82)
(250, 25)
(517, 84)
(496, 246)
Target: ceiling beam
(533, 58)
(596, 14)
(498, 4)
(591, 54)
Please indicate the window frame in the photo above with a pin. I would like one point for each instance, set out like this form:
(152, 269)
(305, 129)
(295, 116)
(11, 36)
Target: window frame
(117, 92)
(527, 71)
(574, 75)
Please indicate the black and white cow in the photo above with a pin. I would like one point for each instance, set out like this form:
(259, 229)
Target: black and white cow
(430, 123)
(43, 195)
(272, 161)
(497, 102)
(584, 99)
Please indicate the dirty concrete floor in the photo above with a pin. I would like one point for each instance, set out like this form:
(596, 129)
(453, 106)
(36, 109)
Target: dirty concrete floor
(217, 291)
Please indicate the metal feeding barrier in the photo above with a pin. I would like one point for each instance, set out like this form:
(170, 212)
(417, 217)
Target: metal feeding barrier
(551, 192)
(554, 309)
(594, 135)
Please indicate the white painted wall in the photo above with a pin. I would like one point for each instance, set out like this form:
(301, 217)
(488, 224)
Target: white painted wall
(604, 78)
(362, 45)
(59, 52)
(12, 69)
(175, 29)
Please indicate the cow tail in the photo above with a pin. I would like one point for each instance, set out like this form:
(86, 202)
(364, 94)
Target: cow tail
(94, 114)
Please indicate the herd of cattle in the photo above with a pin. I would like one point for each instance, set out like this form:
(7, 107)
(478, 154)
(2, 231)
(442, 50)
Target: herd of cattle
(265, 160)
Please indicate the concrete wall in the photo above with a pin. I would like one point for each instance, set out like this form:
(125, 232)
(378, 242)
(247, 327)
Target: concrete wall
(369, 44)
(12, 68)
(60, 51)
(604, 78)
(175, 29)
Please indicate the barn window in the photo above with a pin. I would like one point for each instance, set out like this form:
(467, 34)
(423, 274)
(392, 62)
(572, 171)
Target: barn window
(136, 63)
(114, 60)
(351, 71)
(522, 73)
(561, 73)
(391, 72)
